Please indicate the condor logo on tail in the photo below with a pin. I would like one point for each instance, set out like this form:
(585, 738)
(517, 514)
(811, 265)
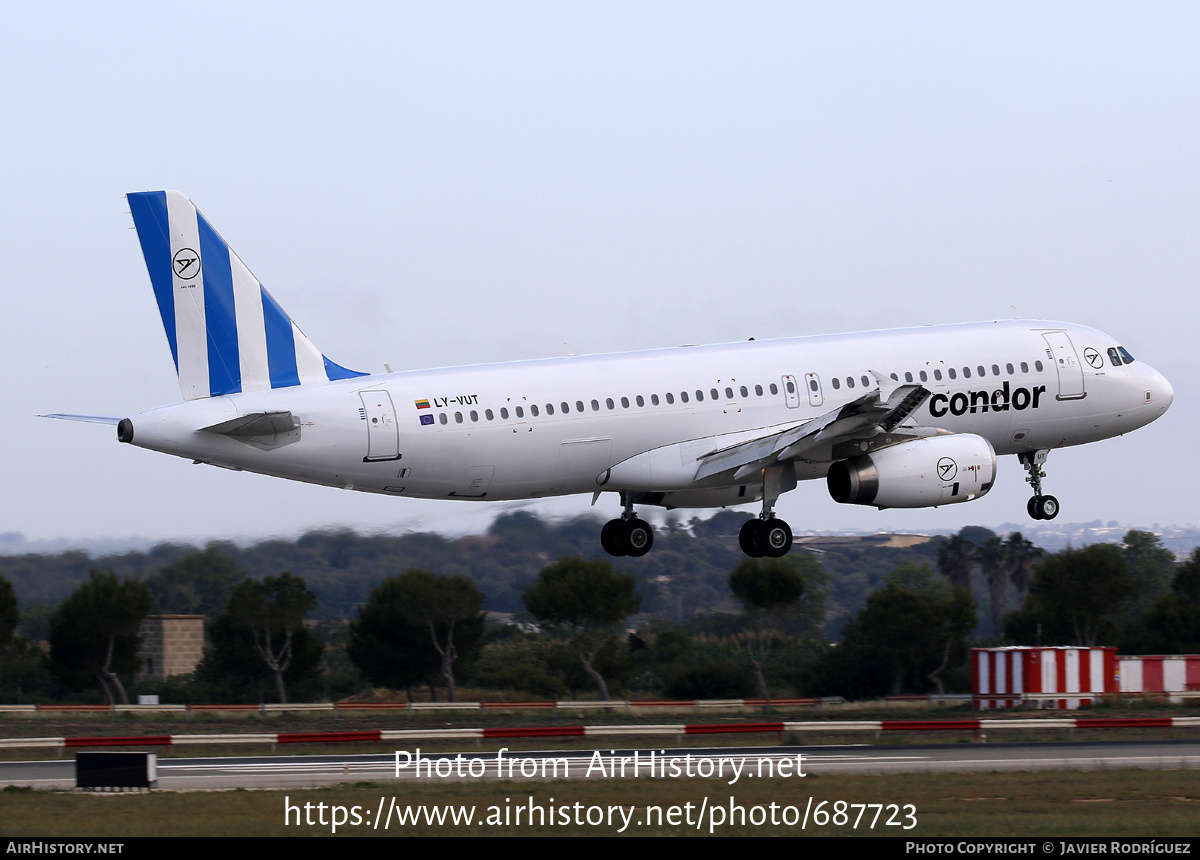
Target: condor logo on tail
(980, 401)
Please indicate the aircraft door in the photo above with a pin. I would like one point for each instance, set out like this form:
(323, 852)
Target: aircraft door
(1070, 371)
(383, 433)
(791, 392)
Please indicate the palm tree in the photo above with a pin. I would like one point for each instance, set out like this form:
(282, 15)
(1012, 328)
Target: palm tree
(956, 559)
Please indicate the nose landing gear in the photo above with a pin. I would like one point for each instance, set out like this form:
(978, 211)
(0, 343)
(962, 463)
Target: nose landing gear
(627, 535)
(1039, 507)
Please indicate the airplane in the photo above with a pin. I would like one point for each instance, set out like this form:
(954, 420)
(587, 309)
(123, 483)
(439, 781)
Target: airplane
(903, 418)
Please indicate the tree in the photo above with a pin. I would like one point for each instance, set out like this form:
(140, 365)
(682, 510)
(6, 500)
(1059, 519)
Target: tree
(994, 559)
(415, 624)
(586, 599)
(1021, 555)
(910, 631)
(1151, 568)
(9, 616)
(263, 624)
(197, 584)
(94, 633)
(1172, 624)
(1075, 598)
(764, 587)
(956, 559)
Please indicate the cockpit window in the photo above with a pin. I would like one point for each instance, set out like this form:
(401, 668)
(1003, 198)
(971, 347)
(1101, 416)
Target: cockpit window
(1114, 356)
(1125, 354)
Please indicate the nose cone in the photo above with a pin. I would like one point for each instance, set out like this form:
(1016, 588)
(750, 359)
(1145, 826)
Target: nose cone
(1159, 394)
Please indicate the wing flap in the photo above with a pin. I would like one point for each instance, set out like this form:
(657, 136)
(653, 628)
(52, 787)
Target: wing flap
(867, 416)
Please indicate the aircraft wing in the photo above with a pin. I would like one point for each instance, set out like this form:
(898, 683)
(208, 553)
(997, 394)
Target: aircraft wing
(878, 411)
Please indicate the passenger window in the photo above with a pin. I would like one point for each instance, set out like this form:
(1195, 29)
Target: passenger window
(849, 381)
(895, 378)
(812, 383)
(533, 410)
(774, 388)
(995, 370)
(791, 387)
(474, 416)
(624, 402)
(609, 403)
(865, 381)
(578, 405)
(442, 418)
(966, 373)
(595, 405)
(504, 412)
(549, 408)
(699, 396)
(745, 393)
(683, 395)
(729, 393)
(458, 418)
(758, 390)
(1009, 368)
(566, 407)
(837, 383)
(1037, 365)
(716, 395)
(640, 401)
(953, 373)
(982, 372)
(907, 376)
(653, 399)
(489, 415)
(1024, 367)
(937, 374)
(924, 376)
(670, 397)
(520, 411)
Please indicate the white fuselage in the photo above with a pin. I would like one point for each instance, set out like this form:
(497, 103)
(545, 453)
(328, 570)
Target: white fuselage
(557, 426)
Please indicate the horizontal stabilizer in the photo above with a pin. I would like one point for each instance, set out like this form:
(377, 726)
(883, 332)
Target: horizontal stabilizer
(255, 424)
(90, 419)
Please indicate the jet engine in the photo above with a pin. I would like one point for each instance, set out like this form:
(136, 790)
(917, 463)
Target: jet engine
(939, 470)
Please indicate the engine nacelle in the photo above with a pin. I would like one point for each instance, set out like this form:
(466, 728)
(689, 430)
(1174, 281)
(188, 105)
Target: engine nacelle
(940, 470)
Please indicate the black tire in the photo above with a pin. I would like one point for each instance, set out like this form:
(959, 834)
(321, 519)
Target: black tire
(773, 538)
(1047, 507)
(637, 537)
(746, 538)
(1032, 508)
(610, 538)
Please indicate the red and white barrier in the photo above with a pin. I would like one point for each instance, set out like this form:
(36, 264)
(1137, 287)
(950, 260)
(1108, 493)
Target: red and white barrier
(1005, 677)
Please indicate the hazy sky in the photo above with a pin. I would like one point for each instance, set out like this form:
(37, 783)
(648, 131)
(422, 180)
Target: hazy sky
(435, 184)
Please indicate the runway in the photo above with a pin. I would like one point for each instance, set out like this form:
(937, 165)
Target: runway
(717, 763)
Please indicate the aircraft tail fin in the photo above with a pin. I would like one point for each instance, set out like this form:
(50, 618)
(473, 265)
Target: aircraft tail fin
(227, 334)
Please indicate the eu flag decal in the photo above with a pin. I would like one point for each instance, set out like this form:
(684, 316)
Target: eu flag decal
(426, 419)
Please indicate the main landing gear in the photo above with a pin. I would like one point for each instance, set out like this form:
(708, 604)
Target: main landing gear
(769, 536)
(1039, 507)
(627, 535)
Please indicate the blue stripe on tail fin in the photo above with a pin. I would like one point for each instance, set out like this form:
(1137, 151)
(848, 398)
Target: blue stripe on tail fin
(227, 334)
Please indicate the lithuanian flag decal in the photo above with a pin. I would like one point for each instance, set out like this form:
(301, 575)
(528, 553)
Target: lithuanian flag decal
(422, 404)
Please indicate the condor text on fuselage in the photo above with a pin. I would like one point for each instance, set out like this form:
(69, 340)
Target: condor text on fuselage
(903, 418)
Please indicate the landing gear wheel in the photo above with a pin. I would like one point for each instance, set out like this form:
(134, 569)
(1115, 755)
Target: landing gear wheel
(1031, 508)
(1047, 507)
(636, 537)
(773, 538)
(610, 538)
(746, 538)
